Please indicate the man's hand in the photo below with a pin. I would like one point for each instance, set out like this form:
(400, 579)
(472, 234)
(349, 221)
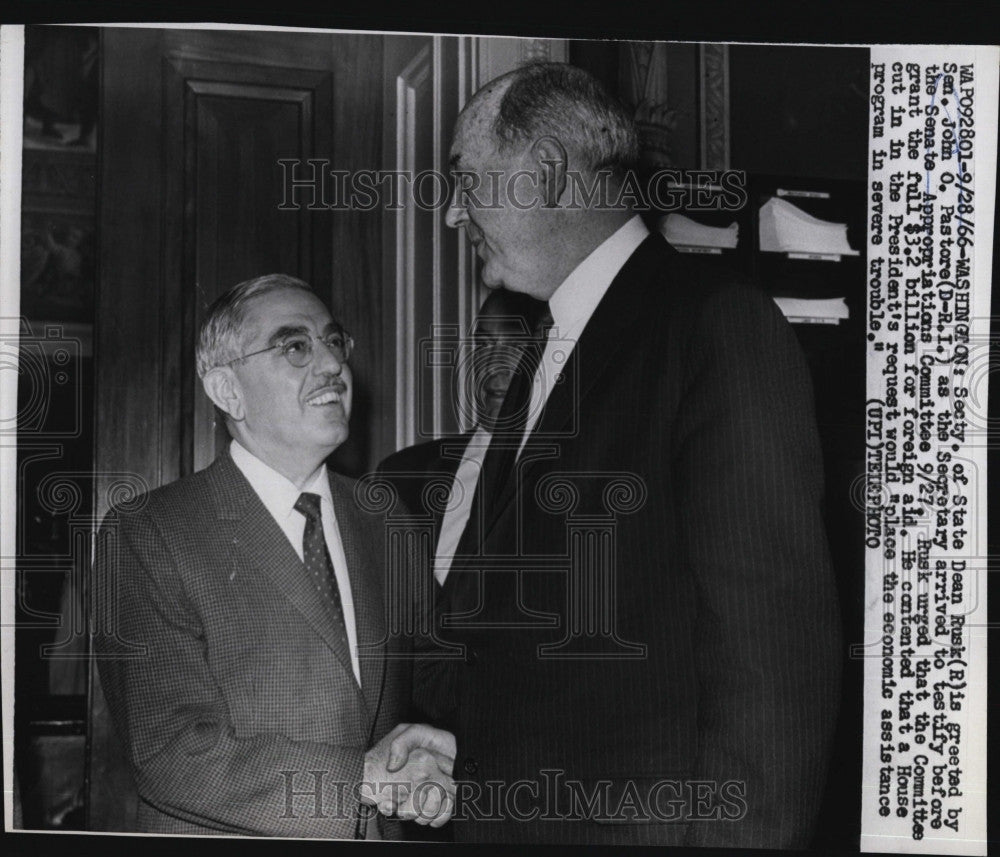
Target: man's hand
(409, 774)
(405, 737)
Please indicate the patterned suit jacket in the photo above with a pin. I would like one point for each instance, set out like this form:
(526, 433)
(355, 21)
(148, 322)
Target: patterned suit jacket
(652, 648)
(235, 700)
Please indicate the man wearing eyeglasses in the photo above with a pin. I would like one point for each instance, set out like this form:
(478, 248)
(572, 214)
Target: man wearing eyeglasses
(243, 647)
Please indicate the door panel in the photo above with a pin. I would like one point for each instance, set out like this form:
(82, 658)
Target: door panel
(428, 273)
(229, 127)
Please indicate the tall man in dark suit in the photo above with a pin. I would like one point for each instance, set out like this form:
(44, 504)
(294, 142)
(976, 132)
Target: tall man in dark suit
(243, 646)
(643, 590)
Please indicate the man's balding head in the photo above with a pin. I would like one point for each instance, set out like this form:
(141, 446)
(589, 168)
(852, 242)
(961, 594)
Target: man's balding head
(565, 102)
(521, 149)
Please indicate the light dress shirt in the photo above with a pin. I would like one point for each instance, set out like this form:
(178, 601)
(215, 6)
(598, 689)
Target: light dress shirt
(279, 495)
(456, 515)
(572, 305)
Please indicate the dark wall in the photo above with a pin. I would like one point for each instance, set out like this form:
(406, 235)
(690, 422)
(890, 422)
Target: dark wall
(789, 114)
(792, 115)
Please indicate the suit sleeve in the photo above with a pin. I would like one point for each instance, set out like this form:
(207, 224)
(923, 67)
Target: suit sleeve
(434, 665)
(173, 720)
(433, 696)
(749, 489)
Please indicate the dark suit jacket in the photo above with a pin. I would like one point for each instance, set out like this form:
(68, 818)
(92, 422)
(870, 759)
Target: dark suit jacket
(673, 484)
(430, 465)
(421, 477)
(233, 696)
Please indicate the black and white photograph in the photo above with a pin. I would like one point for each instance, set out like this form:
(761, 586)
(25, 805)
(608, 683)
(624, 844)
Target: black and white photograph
(462, 439)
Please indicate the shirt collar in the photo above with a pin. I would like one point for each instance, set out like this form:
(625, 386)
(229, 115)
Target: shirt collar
(580, 293)
(277, 492)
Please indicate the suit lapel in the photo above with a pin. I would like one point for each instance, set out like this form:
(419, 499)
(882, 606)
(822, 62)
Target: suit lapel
(263, 545)
(610, 329)
(367, 592)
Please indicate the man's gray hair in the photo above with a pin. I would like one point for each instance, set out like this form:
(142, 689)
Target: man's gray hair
(570, 104)
(223, 336)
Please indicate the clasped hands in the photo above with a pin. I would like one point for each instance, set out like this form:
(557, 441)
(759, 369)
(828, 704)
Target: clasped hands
(408, 773)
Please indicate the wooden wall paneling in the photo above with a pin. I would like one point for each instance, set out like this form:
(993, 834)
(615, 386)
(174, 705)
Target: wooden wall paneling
(130, 206)
(297, 50)
(409, 89)
(127, 300)
(500, 54)
(427, 280)
(347, 243)
(354, 283)
(229, 126)
(193, 124)
(455, 287)
(713, 106)
(469, 294)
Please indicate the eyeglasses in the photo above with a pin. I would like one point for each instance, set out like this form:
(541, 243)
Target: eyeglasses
(298, 349)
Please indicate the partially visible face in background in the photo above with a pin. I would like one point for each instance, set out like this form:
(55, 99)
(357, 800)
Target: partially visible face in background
(503, 327)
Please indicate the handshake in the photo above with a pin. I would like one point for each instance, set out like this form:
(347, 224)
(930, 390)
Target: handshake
(408, 774)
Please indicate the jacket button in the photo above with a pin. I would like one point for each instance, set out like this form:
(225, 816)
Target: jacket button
(470, 765)
(471, 656)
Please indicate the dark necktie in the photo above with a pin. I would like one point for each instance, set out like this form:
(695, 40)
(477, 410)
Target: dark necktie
(316, 557)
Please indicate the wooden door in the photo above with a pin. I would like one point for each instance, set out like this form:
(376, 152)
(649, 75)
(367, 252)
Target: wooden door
(195, 126)
(430, 280)
(430, 296)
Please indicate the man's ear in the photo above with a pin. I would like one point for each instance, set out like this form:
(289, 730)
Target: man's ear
(222, 387)
(550, 155)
